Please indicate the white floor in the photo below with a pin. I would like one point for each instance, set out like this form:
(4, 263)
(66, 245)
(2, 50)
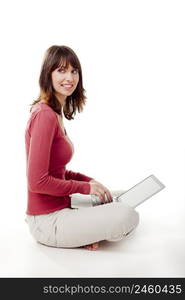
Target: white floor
(155, 249)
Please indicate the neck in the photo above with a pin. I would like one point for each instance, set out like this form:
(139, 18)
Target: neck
(61, 99)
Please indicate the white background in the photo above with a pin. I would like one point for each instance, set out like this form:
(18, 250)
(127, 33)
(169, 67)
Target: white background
(133, 60)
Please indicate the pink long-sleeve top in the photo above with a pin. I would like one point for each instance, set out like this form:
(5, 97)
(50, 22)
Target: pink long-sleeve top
(48, 150)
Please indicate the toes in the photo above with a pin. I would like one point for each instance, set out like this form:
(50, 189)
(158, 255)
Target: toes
(93, 246)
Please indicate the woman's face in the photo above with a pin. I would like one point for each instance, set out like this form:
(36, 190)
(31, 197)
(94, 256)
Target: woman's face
(65, 80)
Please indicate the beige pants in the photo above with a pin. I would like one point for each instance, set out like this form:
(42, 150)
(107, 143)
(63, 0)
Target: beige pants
(79, 226)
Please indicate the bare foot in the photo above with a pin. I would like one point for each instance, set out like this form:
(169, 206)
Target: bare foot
(93, 246)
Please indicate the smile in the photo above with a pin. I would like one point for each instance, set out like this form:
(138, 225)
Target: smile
(67, 85)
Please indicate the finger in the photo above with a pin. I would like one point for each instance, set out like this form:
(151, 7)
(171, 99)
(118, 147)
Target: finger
(109, 196)
(103, 198)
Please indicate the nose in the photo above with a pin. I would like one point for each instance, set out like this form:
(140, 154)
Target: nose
(69, 76)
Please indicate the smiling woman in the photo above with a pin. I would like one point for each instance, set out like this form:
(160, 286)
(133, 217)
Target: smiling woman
(51, 218)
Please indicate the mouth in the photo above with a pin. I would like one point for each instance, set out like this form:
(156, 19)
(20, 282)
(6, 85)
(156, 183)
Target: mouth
(67, 85)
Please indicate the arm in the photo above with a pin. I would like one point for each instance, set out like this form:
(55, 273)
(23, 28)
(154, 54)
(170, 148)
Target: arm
(43, 129)
(77, 176)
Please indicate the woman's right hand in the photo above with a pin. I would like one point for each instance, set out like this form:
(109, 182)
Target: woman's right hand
(101, 191)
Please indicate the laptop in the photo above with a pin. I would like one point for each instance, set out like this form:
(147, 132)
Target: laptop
(141, 191)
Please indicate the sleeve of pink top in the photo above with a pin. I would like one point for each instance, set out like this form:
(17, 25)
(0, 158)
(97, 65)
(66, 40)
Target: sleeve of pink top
(77, 176)
(42, 132)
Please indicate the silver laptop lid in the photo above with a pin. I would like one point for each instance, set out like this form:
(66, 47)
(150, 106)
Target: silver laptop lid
(141, 191)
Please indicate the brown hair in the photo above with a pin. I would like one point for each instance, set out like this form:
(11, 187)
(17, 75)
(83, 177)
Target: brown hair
(54, 56)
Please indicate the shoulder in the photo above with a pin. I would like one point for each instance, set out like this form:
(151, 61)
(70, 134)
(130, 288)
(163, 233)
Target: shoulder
(42, 110)
(43, 118)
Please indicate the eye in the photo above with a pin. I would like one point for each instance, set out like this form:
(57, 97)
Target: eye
(61, 70)
(75, 71)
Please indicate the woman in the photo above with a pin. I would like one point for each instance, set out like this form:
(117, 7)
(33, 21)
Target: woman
(51, 218)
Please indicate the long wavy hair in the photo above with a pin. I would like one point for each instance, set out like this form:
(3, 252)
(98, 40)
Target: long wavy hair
(53, 58)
